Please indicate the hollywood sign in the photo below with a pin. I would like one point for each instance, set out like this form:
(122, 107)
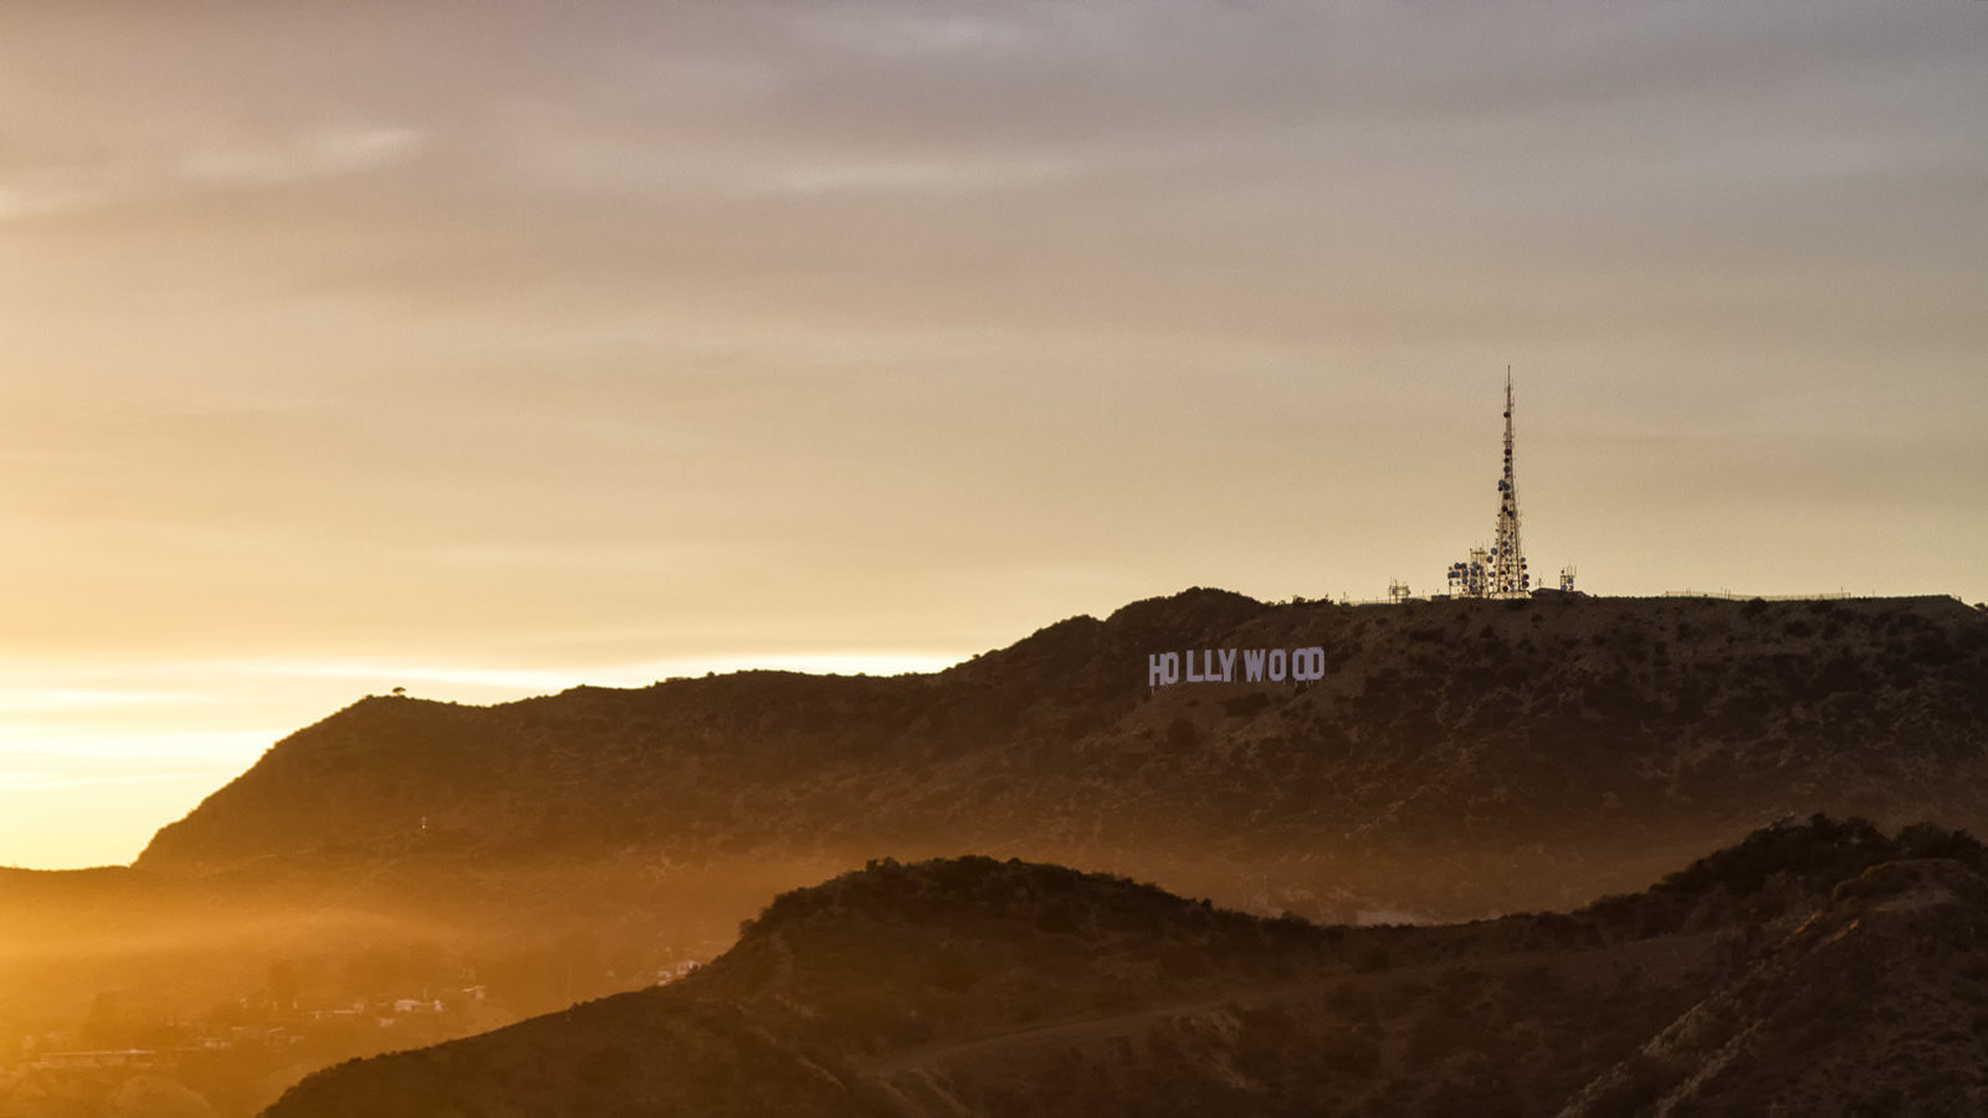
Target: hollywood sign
(1218, 665)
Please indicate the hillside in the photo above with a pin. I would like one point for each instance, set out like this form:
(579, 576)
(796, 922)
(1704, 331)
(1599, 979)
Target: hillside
(406, 872)
(1496, 754)
(976, 987)
(1874, 1006)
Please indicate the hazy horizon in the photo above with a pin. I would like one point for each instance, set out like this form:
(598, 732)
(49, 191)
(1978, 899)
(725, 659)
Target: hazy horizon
(487, 349)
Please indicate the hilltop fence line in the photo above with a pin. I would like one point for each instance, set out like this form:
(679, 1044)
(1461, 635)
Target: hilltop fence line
(1839, 596)
(1725, 595)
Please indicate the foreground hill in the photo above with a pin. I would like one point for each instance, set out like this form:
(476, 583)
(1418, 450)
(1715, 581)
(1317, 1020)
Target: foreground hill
(1877, 1005)
(406, 872)
(1825, 963)
(1493, 754)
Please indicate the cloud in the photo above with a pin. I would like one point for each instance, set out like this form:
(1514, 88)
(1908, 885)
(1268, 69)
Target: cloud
(49, 192)
(16, 701)
(496, 684)
(487, 344)
(16, 782)
(323, 152)
(330, 151)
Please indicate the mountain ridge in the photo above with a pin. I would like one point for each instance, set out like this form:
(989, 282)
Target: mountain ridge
(1453, 761)
(975, 986)
(1479, 729)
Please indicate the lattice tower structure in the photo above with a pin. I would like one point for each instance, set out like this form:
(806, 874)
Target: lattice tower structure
(1508, 577)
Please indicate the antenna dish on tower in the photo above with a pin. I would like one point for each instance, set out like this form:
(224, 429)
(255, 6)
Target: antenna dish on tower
(1500, 570)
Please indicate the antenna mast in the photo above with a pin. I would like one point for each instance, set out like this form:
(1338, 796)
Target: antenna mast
(1508, 563)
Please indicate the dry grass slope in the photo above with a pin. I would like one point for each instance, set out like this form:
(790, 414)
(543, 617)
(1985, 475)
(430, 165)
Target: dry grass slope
(1824, 961)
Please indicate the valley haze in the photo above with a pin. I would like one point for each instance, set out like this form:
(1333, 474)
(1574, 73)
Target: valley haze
(406, 872)
(524, 523)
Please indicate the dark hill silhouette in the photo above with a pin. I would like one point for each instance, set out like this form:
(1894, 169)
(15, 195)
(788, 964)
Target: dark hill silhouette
(976, 987)
(1874, 1006)
(1457, 757)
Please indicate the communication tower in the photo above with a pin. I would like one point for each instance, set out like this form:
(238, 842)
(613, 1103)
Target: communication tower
(1470, 578)
(1508, 562)
(1500, 571)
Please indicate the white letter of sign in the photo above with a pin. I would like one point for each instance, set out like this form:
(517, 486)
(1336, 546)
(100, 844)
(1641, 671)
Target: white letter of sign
(1228, 665)
(1308, 663)
(1253, 665)
(1192, 675)
(1277, 665)
(1156, 670)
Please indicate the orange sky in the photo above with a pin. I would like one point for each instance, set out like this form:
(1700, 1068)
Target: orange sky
(489, 348)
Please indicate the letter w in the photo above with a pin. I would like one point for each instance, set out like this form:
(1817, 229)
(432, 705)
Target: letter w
(1253, 665)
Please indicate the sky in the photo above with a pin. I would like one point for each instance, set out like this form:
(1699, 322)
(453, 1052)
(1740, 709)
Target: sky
(490, 347)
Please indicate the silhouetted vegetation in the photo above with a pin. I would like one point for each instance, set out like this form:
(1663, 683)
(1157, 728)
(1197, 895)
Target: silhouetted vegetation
(1457, 758)
(990, 987)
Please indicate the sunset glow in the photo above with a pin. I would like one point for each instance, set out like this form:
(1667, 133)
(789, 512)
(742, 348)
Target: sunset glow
(489, 349)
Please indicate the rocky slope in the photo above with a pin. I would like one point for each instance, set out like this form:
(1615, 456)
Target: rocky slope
(975, 987)
(1502, 752)
(1877, 1005)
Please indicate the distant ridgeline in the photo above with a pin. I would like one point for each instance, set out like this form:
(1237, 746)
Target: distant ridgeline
(1535, 748)
(1822, 969)
(1310, 663)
